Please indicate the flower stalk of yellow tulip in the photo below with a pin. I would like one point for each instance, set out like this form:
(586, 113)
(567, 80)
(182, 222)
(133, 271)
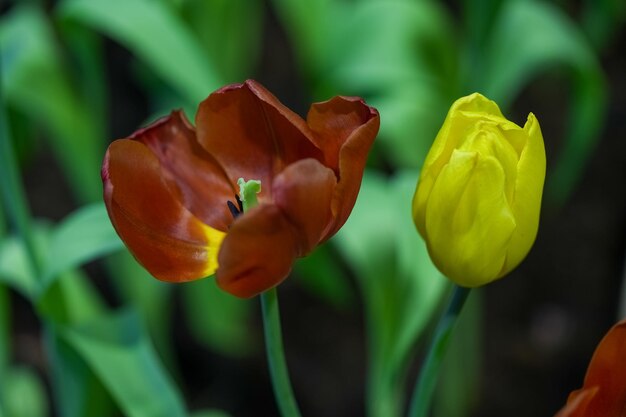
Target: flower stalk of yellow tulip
(477, 207)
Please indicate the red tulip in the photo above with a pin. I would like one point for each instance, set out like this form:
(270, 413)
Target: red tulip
(168, 186)
(604, 391)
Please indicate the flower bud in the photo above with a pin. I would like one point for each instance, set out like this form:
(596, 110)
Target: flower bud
(478, 199)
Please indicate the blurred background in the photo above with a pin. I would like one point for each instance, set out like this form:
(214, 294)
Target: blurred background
(84, 331)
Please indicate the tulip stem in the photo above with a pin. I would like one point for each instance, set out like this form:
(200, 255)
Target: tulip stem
(427, 379)
(283, 392)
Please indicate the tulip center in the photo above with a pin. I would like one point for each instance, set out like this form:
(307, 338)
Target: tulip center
(247, 197)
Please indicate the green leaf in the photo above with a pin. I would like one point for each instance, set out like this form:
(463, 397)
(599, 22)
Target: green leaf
(15, 267)
(528, 38)
(149, 296)
(309, 24)
(413, 115)
(381, 44)
(479, 16)
(401, 288)
(12, 193)
(82, 237)
(85, 235)
(230, 32)
(76, 389)
(35, 82)
(86, 51)
(118, 350)
(23, 394)
(70, 299)
(602, 19)
(321, 274)
(218, 319)
(156, 35)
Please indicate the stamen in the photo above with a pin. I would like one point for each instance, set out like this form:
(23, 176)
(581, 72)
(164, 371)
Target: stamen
(233, 209)
(239, 203)
(248, 191)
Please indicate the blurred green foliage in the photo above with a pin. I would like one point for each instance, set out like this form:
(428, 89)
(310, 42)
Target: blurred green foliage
(401, 288)
(410, 59)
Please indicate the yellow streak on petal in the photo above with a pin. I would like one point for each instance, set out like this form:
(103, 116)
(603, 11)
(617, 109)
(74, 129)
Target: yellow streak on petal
(214, 239)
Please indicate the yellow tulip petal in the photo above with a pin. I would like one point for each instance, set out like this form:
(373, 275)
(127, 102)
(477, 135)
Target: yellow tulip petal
(478, 199)
(488, 140)
(468, 220)
(528, 190)
(459, 122)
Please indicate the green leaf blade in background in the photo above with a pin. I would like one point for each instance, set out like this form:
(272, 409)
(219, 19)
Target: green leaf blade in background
(75, 388)
(85, 235)
(308, 24)
(400, 287)
(528, 38)
(602, 19)
(230, 33)
(35, 81)
(321, 274)
(15, 268)
(217, 319)
(118, 350)
(156, 35)
(22, 393)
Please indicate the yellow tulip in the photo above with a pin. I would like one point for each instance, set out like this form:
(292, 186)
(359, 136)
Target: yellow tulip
(478, 199)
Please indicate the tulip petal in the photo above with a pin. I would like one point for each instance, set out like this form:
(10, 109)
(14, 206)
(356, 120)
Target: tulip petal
(488, 140)
(607, 372)
(463, 114)
(345, 129)
(304, 191)
(204, 186)
(468, 220)
(578, 402)
(166, 238)
(526, 204)
(458, 125)
(604, 391)
(257, 253)
(252, 134)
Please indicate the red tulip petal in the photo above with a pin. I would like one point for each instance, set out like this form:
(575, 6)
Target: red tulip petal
(257, 253)
(204, 186)
(304, 191)
(252, 134)
(604, 390)
(577, 403)
(345, 129)
(167, 239)
(607, 370)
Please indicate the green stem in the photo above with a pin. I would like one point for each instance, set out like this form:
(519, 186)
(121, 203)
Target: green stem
(427, 380)
(276, 355)
(277, 364)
